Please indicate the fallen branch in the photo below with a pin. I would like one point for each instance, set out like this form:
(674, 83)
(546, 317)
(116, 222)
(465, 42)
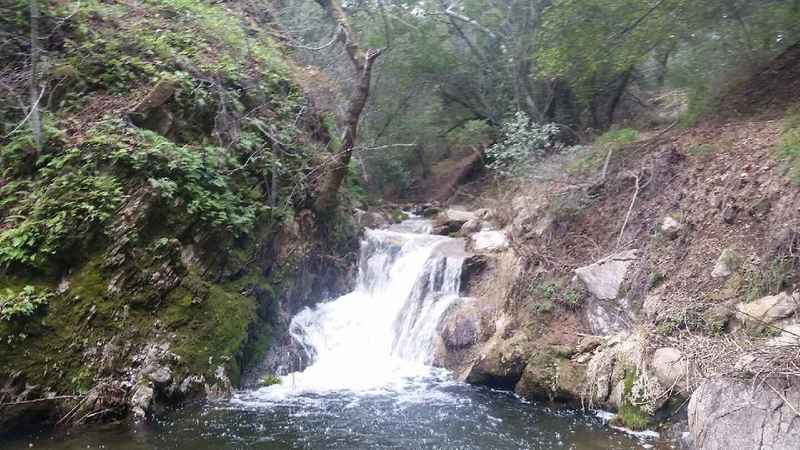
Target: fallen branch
(628, 215)
(39, 400)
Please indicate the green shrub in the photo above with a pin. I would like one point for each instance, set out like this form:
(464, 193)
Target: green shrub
(521, 145)
(24, 303)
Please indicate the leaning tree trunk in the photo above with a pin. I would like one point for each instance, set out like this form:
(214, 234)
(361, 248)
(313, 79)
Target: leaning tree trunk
(362, 62)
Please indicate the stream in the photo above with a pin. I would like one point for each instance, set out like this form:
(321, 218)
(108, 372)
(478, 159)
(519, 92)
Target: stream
(371, 384)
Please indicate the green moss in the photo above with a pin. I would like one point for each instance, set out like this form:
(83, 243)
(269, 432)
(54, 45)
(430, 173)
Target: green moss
(209, 331)
(398, 215)
(629, 415)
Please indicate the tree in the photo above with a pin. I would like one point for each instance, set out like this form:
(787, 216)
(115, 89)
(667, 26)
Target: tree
(362, 61)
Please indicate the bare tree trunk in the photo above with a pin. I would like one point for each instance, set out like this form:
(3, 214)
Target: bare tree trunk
(362, 62)
(36, 121)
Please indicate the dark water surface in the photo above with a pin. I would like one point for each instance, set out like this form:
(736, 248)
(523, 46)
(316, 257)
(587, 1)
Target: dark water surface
(423, 414)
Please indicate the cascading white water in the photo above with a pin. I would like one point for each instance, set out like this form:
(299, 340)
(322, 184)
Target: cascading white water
(383, 332)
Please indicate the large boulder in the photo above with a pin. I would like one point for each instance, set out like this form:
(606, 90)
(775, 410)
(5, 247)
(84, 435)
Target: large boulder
(551, 375)
(670, 367)
(729, 414)
(605, 311)
(500, 365)
(604, 278)
(461, 327)
(767, 310)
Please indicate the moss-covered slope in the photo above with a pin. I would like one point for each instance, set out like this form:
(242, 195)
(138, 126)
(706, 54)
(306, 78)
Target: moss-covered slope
(150, 244)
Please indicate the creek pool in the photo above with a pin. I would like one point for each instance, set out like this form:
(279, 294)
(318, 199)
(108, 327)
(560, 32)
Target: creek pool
(429, 412)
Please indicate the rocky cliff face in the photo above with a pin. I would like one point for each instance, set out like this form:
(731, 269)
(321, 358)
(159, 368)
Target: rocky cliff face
(667, 281)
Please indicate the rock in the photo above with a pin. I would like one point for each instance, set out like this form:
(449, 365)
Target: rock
(500, 366)
(471, 269)
(484, 213)
(461, 328)
(489, 241)
(451, 221)
(158, 374)
(670, 367)
(551, 377)
(470, 227)
(729, 214)
(370, 219)
(430, 211)
(671, 227)
(726, 264)
(769, 309)
(141, 398)
(604, 278)
(729, 414)
(455, 215)
(651, 306)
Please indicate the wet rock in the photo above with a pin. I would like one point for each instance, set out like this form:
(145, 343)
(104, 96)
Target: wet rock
(472, 268)
(726, 264)
(451, 221)
(470, 227)
(370, 219)
(500, 366)
(548, 376)
(141, 399)
(430, 211)
(767, 310)
(729, 414)
(461, 328)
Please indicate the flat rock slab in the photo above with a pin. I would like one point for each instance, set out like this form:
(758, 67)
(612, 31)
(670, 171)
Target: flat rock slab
(604, 278)
(489, 241)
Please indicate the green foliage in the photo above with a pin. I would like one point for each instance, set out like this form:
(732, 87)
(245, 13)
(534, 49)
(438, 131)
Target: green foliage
(618, 136)
(654, 279)
(270, 380)
(55, 211)
(24, 303)
(768, 280)
(521, 145)
(194, 179)
(473, 134)
(550, 293)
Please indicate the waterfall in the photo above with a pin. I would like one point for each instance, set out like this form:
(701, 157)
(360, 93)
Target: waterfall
(384, 331)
